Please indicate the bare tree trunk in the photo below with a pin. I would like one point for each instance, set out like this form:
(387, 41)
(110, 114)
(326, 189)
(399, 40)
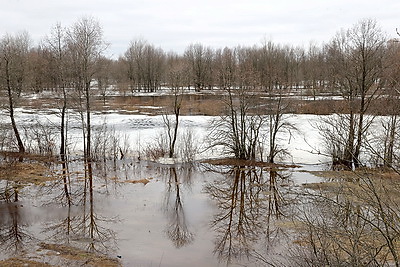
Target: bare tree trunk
(389, 142)
(356, 155)
(88, 125)
(172, 148)
(62, 127)
(21, 147)
(349, 147)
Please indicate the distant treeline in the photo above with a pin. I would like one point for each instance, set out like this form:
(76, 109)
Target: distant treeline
(143, 67)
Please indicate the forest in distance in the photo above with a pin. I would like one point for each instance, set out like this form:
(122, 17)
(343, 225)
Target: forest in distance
(248, 103)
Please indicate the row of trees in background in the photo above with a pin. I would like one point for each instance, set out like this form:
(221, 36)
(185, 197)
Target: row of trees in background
(147, 68)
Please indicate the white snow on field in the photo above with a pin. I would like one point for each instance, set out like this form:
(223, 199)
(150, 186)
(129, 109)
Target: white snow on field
(141, 130)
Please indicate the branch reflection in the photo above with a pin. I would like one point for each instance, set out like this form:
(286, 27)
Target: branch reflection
(13, 235)
(177, 230)
(81, 226)
(248, 200)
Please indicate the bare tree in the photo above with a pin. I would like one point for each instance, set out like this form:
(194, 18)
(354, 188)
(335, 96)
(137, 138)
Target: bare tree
(13, 52)
(56, 43)
(86, 44)
(391, 122)
(176, 77)
(177, 71)
(104, 77)
(277, 124)
(200, 62)
(37, 71)
(268, 65)
(133, 57)
(173, 126)
(145, 65)
(239, 131)
(356, 61)
(247, 76)
(225, 67)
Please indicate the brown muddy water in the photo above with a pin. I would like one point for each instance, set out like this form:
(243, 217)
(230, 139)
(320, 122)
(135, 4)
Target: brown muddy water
(147, 214)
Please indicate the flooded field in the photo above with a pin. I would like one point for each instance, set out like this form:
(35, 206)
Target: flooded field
(136, 212)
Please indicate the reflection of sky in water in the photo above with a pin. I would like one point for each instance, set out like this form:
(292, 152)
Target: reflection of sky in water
(142, 216)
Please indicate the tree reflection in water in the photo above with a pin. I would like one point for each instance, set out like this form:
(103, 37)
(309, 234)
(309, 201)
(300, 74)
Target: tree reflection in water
(13, 235)
(248, 199)
(83, 227)
(177, 230)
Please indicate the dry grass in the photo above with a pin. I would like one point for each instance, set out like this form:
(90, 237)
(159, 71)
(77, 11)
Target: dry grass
(33, 169)
(206, 102)
(17, 262)
(83, 257)
(141, 181)
(357, 174)
(191, 104)
(14, 156)
(35, 173)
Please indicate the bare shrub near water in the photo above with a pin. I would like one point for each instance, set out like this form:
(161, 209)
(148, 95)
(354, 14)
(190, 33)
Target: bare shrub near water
(156, 149)
(108, 143)
(238, 132)
(6, 139)
(352, 221)
(383, 144)
(333, 130)
(42, 138)
(187, 147)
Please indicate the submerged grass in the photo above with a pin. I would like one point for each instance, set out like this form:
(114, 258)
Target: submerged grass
(357, 174)
(25, 172)
(81, 257)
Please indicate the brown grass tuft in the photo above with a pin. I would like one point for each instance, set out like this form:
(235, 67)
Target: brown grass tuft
(16, 262)
(76, 254)
(35, 173)
(141, 181)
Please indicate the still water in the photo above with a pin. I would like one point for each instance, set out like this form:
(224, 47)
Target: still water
(147, 214)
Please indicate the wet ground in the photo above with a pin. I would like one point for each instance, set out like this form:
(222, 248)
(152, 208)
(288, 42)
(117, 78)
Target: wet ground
(147, 214)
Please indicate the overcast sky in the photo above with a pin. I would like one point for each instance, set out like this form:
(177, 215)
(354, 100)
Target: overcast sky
(174, 24)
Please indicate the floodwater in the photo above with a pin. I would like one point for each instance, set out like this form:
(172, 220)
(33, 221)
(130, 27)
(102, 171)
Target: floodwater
(149, 214)
(203, 215)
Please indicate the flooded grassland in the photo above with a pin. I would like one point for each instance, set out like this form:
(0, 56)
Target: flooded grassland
(126, 210)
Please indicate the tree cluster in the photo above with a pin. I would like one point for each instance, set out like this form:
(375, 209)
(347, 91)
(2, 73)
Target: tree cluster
(144, 67)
